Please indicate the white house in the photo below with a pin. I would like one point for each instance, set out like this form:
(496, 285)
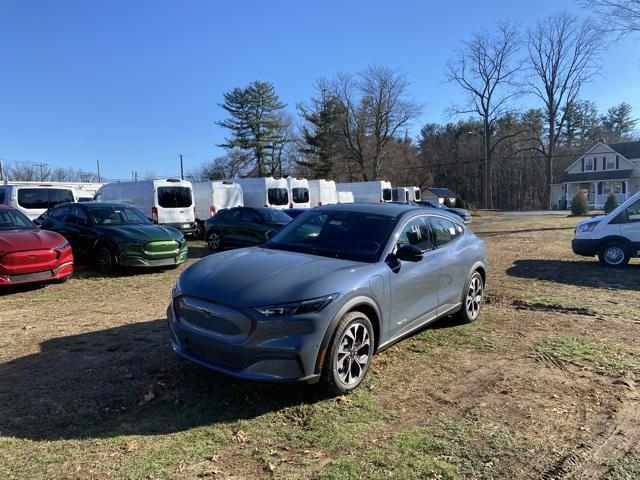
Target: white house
(603, 169)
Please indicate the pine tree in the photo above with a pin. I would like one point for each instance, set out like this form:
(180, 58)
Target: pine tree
(619, 122)
(611, 203)
(254, 123)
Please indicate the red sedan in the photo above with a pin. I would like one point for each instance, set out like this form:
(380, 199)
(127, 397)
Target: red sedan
(28, 254)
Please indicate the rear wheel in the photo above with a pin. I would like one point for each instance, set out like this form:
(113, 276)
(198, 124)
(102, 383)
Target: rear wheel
(350, 354)
(472, 301)
(199, 233)
(614, 254)
(104, 260)
(214, 241)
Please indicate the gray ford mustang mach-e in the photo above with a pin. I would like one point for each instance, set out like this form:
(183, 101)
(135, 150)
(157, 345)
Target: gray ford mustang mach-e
(326, 292)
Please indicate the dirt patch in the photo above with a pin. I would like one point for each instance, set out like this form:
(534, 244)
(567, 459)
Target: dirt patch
(542, 307)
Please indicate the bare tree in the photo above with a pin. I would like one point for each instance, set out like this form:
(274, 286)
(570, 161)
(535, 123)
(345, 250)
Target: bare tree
(376, 107)
(622, 16)
(563, 54)
(236, 163)
(485, 67)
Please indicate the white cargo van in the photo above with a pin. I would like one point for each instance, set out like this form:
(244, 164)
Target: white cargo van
(345, 197)
(322, 192)
(265, 192)
(401, 194)
(34, 199)
(298, 192)
(614, 238)
(211, 197)
(368, 192)
(166, 202)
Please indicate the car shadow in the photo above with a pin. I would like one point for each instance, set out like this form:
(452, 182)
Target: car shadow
(198, 251)
(497, 233)
(581, 273)
(126, 381)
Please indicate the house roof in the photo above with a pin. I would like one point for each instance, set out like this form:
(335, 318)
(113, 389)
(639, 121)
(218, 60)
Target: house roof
(598, 176)
(441, 192)
(628, 150)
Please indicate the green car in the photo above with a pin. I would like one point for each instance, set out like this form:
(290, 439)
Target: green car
(242, 226)
(111, 235)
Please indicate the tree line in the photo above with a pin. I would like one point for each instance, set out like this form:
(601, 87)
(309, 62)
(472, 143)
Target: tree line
(493, 152)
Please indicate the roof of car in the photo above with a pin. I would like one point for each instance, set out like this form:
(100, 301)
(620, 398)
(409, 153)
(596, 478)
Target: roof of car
(389, 208)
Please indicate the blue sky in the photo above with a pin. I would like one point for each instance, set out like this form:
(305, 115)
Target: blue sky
(135, 83)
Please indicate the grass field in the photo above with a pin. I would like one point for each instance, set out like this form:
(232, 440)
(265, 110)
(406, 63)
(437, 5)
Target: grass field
(544, 385)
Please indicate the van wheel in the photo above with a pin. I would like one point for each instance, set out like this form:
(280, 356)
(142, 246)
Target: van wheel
(214, 241)
(199, 233)
(614, 254)
(350, 354)
(472, 300)
(104, 260)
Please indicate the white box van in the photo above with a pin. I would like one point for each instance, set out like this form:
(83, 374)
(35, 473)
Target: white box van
(322, 192)
(265, 192)
(345, 197)
(401, 194)
(167, 202)
(614, 237)
(298, 192)
(376, 191)
(211, 197)
(33, 199)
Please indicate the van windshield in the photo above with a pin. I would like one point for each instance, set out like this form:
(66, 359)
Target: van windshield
(174, 197)
(278, 196)
(386, 194)
(43, 198)
(300, 195)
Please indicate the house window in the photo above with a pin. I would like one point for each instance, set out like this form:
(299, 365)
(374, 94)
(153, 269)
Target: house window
(611, 163)
(588, 164)
(611, 187)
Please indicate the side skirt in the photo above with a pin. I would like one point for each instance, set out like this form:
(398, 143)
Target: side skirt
(420, 323)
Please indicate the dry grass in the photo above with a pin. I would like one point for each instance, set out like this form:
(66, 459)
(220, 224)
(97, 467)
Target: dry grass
(544, 384)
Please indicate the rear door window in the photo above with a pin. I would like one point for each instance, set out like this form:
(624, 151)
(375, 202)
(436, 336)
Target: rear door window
(43, 198)
(386, 194)
(174, 197)
(300, 195)
(445, 231)
(278, 196)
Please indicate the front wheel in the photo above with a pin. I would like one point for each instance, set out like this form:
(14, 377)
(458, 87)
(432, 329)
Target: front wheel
(613, 255)
(104, 260)
(472, 301)
(350, 354)
(214, 241)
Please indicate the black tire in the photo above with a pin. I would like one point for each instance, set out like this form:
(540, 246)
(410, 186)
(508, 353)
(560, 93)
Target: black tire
(472, 299)
(335, 377)
(199, 233)
(105, 262)
(213, 244)
(614, 254)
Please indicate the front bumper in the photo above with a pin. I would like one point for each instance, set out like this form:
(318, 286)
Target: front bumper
(272, 350)
(585, 246)
(60, 272)
(127, 259)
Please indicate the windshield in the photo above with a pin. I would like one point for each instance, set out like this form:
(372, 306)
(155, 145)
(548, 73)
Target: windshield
(14, 220)
(117, 215)
(43, 198)
(174, 197)
(278, 196)
(353, 236)
(386, 194)
(274, 216)
(300, 195)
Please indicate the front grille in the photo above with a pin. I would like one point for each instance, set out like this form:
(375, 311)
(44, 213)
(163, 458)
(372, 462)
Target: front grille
(161, 247)
(30, 276)
(213, 355)
(213, 317)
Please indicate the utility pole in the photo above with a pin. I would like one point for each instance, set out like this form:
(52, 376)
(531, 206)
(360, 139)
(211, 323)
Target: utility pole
(98, 164)
(181, 168)
(1, 172)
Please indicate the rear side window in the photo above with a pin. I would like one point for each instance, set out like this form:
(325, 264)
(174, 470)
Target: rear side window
(386, 194)
(43, 198)
(300, 195)
(59, 213)
(174, 197)
(445, 231)
(278, 196)
(417, 233)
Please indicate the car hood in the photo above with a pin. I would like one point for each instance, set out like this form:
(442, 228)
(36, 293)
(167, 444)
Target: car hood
(20, 240)
(258, 276)
(138, 233)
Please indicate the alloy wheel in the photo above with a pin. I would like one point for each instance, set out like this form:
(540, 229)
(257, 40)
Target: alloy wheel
(614, 255)
(213, 241)
(474, 297)
(353, 354)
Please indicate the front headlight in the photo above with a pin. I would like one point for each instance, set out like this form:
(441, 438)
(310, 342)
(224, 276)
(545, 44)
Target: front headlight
(63, 245)
(297, 308)
(587, 227)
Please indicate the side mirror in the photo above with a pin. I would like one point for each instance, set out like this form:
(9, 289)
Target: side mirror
(410, 253)
(269, 235)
